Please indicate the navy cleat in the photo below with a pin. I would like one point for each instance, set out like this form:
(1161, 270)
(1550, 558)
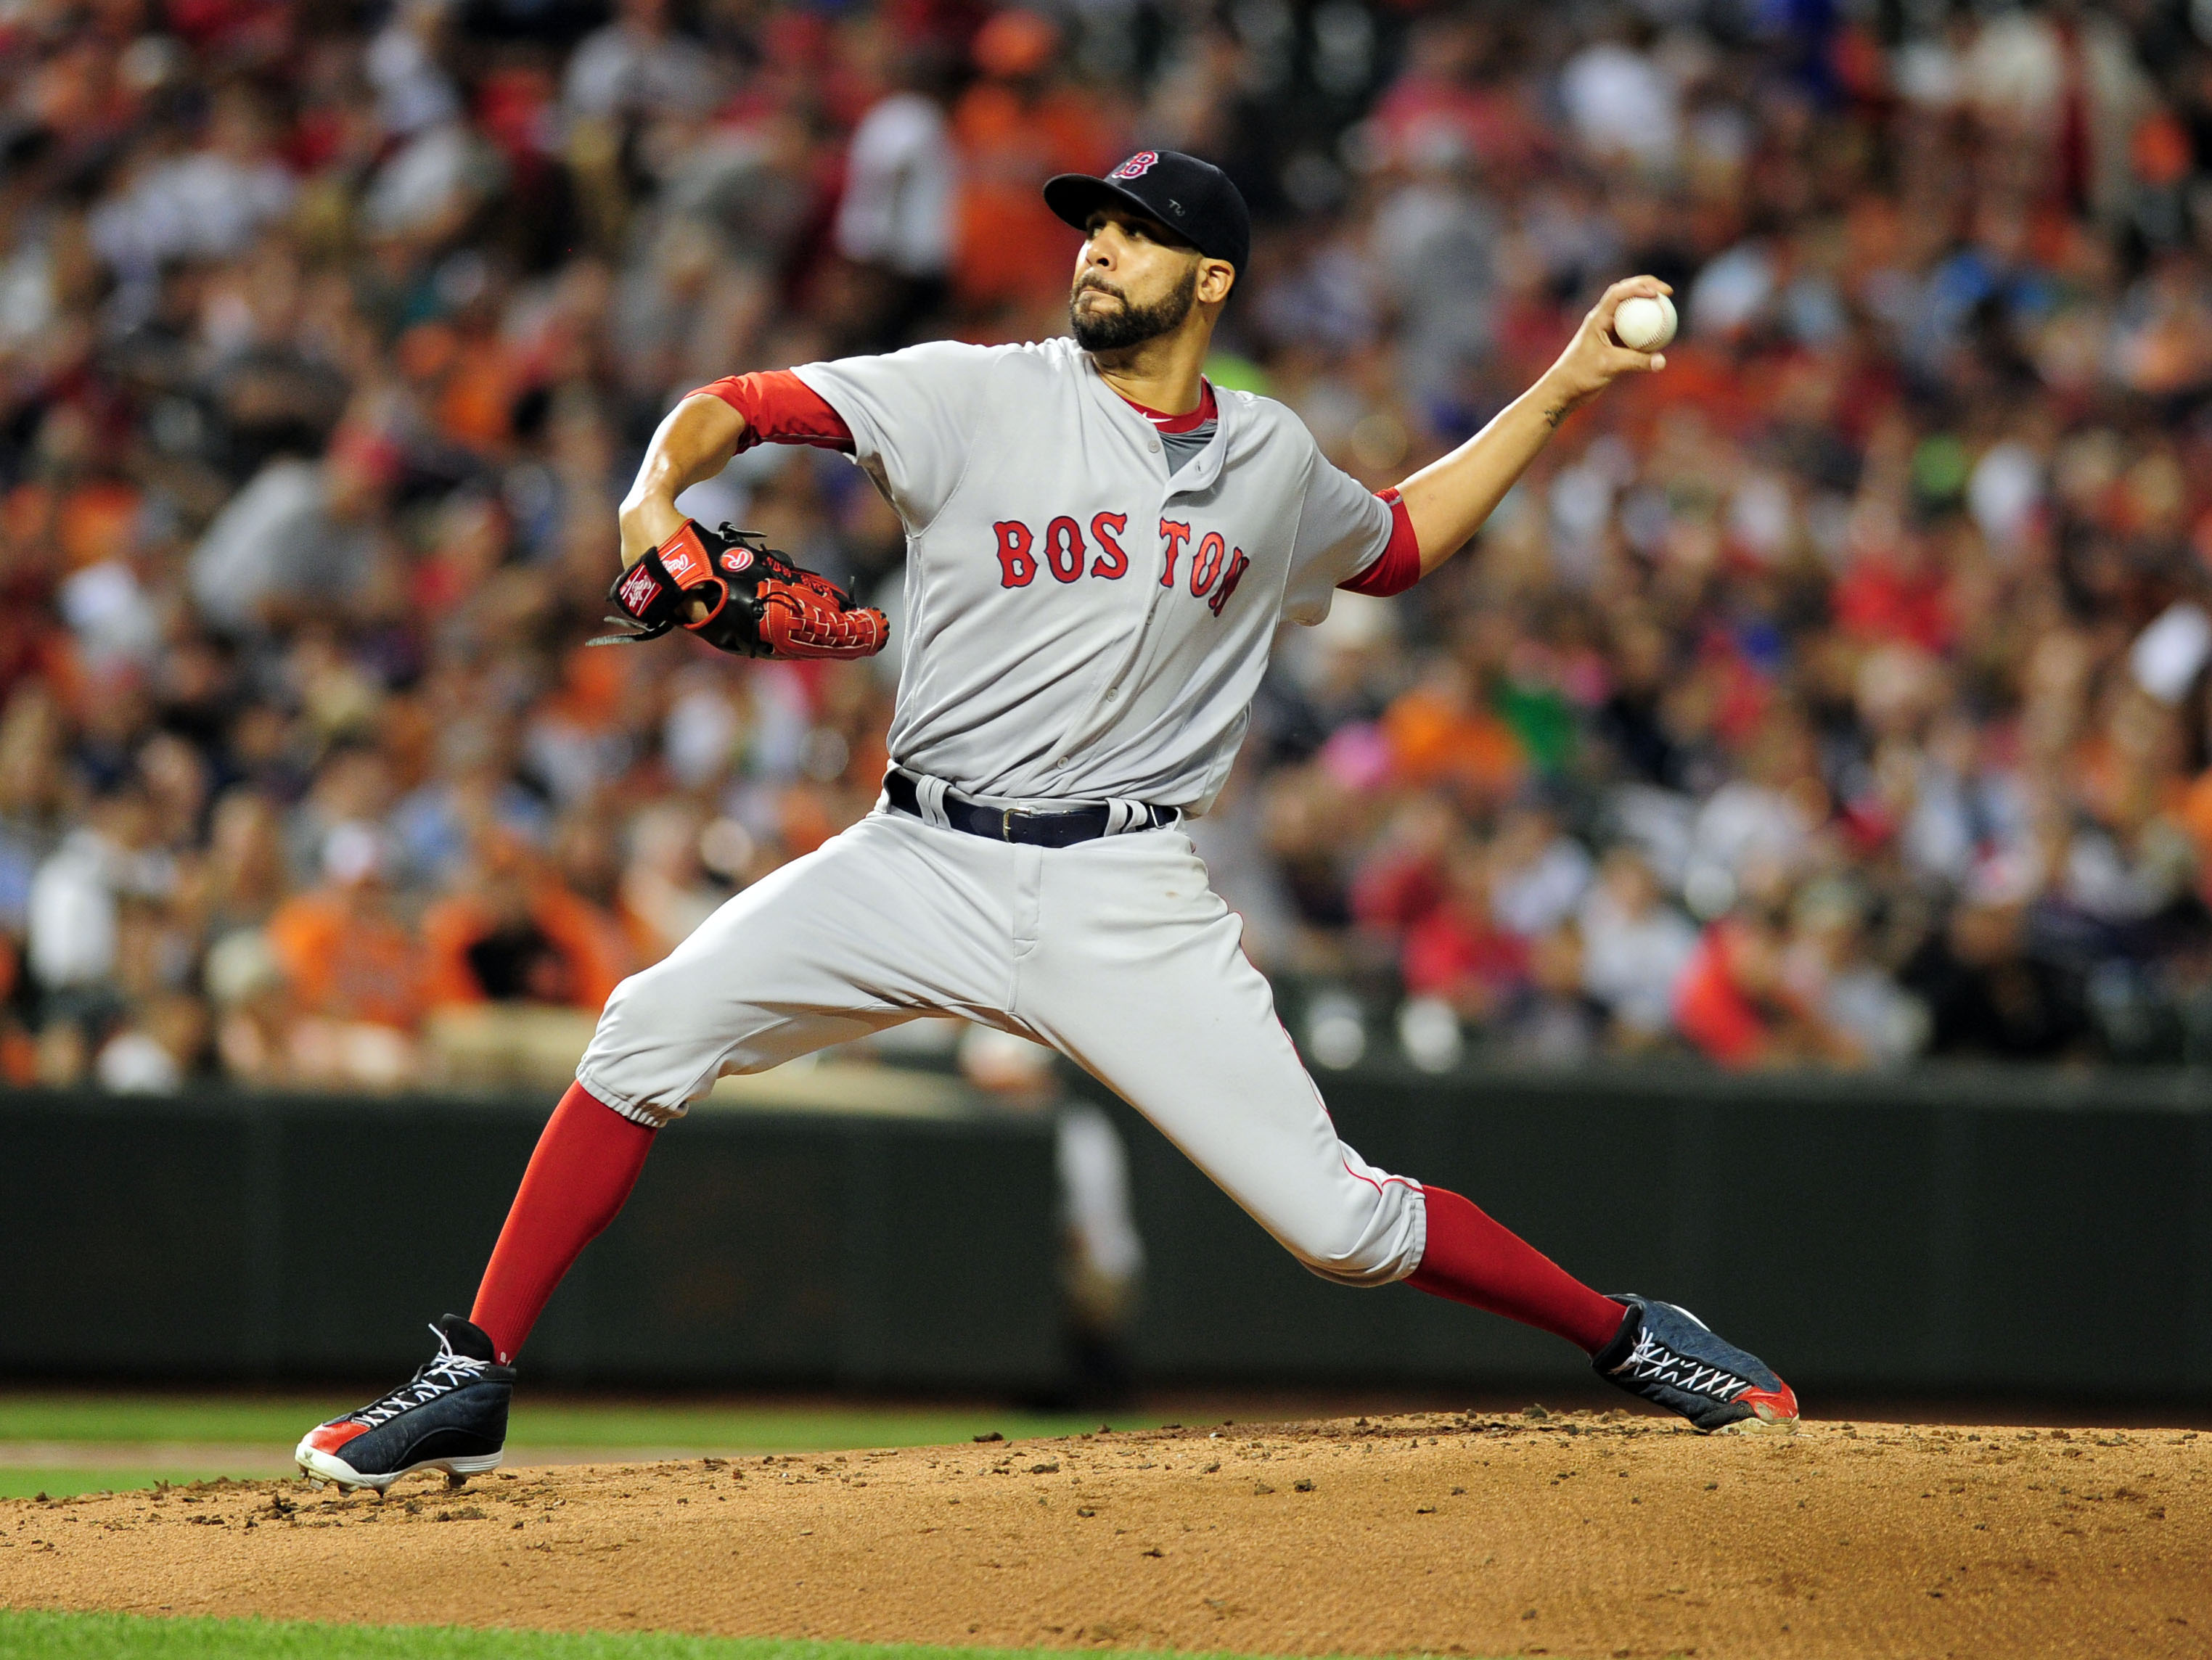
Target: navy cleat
(451, 1415)
(1669, 1357)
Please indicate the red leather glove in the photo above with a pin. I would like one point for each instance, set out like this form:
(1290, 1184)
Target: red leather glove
(750, 600)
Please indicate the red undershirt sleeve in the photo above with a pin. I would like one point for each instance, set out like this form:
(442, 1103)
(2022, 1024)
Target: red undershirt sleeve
(779, 407)
(1400, 566)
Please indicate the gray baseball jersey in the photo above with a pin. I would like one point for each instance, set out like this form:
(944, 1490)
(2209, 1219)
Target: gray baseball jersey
(1079, 624)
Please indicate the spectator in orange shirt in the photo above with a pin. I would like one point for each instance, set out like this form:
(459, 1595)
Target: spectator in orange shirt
(1438, 732)
(513, 933)
(1015, 128)
(344, 953)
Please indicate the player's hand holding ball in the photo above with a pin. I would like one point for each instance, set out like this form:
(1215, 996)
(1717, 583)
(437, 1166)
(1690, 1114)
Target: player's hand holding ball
(1624, 333)
(1644, 323)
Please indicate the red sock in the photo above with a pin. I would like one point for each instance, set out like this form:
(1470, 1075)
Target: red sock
(1471, 1259)
(586, 1164)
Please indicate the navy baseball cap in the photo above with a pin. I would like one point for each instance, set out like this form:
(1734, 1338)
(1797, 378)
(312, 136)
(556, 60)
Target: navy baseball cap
(1193, 198)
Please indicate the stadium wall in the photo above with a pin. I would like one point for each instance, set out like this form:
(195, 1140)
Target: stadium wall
(1933, 1232)
(241, 1237)
(1976, 1230)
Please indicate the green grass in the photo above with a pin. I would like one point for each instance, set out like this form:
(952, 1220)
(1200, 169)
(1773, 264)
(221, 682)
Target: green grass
(38, 1636)
(274, 1422)
(66, 1480)
(270, 1426)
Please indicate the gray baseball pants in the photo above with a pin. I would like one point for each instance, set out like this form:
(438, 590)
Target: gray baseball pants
(1116, 952)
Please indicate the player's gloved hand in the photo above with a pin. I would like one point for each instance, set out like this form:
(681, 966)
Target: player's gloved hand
(750, 600)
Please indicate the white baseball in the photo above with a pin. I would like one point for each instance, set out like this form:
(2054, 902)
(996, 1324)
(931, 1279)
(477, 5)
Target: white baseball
(1644, 325)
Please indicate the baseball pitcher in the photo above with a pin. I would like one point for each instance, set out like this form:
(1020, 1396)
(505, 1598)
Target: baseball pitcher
(1100, 548)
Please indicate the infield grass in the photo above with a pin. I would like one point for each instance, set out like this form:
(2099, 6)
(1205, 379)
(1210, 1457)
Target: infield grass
(40, 1636)
(63, 1443)
(708, 1426)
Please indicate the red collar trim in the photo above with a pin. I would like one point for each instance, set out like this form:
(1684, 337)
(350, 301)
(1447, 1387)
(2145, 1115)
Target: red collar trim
(1205, 412)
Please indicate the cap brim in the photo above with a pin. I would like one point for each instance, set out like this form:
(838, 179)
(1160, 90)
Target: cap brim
(1074, 196)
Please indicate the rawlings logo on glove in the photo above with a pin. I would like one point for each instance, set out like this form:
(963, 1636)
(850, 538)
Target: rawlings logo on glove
(755, 602)
(636, 591)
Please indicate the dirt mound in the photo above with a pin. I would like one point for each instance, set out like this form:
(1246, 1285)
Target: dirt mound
(1571, 1535)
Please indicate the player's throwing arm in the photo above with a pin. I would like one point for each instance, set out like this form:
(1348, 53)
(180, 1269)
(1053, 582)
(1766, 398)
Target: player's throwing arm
(1450, 499)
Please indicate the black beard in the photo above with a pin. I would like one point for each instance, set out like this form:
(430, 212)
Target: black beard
(1133, 325)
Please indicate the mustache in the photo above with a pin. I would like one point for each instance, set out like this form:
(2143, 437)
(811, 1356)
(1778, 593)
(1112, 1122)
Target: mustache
(1090, 282)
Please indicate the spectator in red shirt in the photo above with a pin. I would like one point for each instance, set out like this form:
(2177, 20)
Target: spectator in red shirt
(1735, 1002)
(1894, 590)
(1458, 952)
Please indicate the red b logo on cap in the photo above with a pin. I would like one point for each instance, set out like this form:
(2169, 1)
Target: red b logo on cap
(1137, 166)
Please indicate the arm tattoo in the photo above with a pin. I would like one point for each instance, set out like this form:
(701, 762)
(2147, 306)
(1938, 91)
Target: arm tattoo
(1555, 415)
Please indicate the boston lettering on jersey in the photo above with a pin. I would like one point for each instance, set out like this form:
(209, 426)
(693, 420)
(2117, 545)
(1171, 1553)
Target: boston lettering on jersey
(1214, 572)
(1086, 612)
(780, 408)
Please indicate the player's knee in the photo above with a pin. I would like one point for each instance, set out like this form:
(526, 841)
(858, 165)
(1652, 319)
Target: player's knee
(1368, 1231)
(620, 1024)
(657, 1002)
(631, 1061)
(1373, 1246)
(1357, 1278)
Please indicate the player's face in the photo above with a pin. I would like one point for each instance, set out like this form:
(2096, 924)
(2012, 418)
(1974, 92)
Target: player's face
(1134, 282)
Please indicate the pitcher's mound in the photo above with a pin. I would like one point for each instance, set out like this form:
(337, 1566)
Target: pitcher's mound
(1610, 1534)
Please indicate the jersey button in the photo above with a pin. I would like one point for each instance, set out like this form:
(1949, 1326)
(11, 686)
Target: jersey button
(1154, 447)
(1112, 693)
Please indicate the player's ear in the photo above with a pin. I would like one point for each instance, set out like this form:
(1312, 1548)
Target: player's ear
(1215, 279)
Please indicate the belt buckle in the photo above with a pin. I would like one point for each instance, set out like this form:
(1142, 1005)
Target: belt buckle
(1007, 817)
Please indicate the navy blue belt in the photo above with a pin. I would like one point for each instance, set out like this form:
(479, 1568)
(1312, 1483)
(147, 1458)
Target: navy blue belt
(1058, 826)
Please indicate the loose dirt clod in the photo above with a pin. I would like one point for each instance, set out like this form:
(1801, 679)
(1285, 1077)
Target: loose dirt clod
(1423, 1533)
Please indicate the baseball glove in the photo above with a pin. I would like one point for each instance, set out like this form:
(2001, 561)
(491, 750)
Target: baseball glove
(758, 604)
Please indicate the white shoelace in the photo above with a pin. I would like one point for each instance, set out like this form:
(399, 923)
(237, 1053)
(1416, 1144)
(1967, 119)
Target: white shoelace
(445, 1373)
(1652, 1361)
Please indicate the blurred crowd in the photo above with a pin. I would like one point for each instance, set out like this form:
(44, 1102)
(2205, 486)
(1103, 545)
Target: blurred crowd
(1839, 696)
